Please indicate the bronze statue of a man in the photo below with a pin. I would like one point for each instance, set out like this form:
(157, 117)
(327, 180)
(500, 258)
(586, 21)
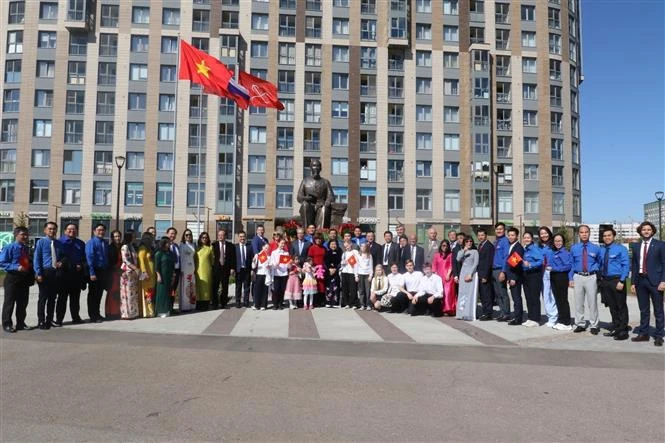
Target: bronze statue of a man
(315, 197)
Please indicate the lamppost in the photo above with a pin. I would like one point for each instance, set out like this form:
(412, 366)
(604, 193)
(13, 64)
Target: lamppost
(119, 162)
(56, 212)
(208, 219)
(497, 169)
(659, 197)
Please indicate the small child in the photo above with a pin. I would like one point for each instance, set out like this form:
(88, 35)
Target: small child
(309, 284)
(293, 291)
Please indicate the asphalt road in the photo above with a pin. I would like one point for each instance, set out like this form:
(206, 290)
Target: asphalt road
(77, 385)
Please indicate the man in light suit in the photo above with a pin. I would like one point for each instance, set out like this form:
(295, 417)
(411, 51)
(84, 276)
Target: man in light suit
(648, 281)
(225, 265)
(244, 256)
(300, 247)
(431, 245)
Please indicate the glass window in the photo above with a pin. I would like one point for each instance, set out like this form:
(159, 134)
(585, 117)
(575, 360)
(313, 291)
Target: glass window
(256, 196)
(451, 142)
(451, 201)
(41, 158)
(284, 166)
(164, 194)
(164, 161)
(451, 169)
(109, 16)
(171, 16)
(48, 11)
(71, 192)
(104, 132)
(141, 15)
(367, 198)
(39, 191)
(135, 160)
(47, 39)
(257, 164)
(133, 194)
(340, 166)
(103, 163)
(72, 162)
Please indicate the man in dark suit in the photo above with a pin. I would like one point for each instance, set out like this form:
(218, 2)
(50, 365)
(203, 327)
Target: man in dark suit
(515, 275)
(416, 253)
(485, 262)
(299, 247)
(389, 252)
(225, 265)
(244, 256)
(455, 247)
(404, 254)
(648, 281)
(374, 249)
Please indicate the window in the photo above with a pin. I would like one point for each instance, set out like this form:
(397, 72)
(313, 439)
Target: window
(312, 54)
(312, 111)
(340, 166)
(104, 132)
(451, 60)
(284, 167)
(313, 5)
(286, 81)
(313, 27)
(395, 199)
(556, 122)
(8, 160)
(133, 194)
(48, 11)
(451, 114)
(477, 35)
(395, 170)
(139, 43)
(505, 174)
(395, 142)
(502, 38)
(367, 198)
(481, 87)
(367, 141)
(423, 5)
(108, 45)
(256, 197)
(288, 114)
(257, 134)
(530, 118)
(340, 26)
(15, 42)
(340, 109)
(13, 71)
(171, 16)
(284, 197)
(531, 203)
(529, 65)
(503, 65)
(138, 72)
(259, 49)
(577, 206)
(528, 39)
(71, 192)
(555, 44)
(164, 194)
(423, 168)
(339, 137)
(502, 13)
(557, 203)
(423, 85)
(529, 91)
(42, 128)
(7, 191)
(557, 149)
(39, 191)
(481, 143)
(340, 54)
(424, 58)
(312, 139)
(528, 13)
(368, 170)
(141, 15)
(228, 45)
(257, 164)
(451, 142)
(225, 163)
(450, 7)
(554, 18)
(341, 194)
(103, 163)
(200, 20)
(41, 158)
(196, 166)
(45, 69)
(451, 87)
(576, 179)
(450, 33)
(164, 161)
(451, 201)
(555, 69)
(398, 27)
(167, 73)
(287, 54)
(423, 113)
(135, 131)
(285, 140)
(481, 203)
(367, 85)
(109, 16)
(423, 199)
(313, 82)
(424, 31)
(367, 58)
(11, 100)
(423, 140)
(340, 81)
(451, 169)
(135, 160)
(505, 202)
(166, 102)
(230, 19)
(574, 102)
(557, 175)
(260, 22)
(74, 132)
(530, 172)
(287, 4)
(75, 102)
(576, 152)
(530, 145)
(47, 40)
(137, 101)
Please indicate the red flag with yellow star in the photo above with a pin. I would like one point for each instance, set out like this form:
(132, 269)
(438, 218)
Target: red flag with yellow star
(204, 69)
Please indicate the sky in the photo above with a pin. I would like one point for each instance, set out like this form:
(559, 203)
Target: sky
(622, 101)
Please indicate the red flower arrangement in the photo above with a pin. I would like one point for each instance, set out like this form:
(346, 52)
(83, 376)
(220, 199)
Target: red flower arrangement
(346, 227)
(290, 227)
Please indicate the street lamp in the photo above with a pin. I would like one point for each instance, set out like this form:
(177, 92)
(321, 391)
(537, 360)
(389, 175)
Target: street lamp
(659, 197)
(208, 219)
(119, 162)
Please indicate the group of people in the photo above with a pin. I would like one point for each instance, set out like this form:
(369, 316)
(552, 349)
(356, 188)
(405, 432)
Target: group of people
(147, 278)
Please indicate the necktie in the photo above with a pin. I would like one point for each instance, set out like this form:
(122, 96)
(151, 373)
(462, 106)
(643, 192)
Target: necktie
(54, 258)
(385, 254)
(299, 247)
(585, 259)
(644, 257)
(242, 256)
(606, 261)
(221, 253)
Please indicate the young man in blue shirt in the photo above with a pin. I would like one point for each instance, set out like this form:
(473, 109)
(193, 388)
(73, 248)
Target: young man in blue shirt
(48, 273)
(612, 283)
(501, 245)
(15, 261)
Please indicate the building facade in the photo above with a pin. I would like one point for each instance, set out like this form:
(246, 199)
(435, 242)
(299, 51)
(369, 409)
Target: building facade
(653, 212)
(423, 112)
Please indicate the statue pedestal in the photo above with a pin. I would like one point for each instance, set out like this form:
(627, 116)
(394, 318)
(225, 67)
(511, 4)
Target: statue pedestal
(336, 214)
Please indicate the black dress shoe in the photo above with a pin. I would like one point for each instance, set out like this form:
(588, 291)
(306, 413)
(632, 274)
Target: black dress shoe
(238, 305)
(594, 331)
(9, 329)
(485, 317)
(611, 333)
(97, 320)
(44, 326)
(56, 324)
(77, 321)
(504, 318)
(24, 328)
(580, 329)
(621, 336)
(640, 338)
(658, 341)
(514, 322)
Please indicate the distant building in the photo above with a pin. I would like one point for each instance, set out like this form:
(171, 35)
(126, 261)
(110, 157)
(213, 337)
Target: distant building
(626, 232)
(651, 212)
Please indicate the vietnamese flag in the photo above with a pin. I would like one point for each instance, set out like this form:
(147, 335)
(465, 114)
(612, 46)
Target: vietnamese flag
(514, 259)
(284, 259)
(204, 69)
(262, 93)
(263, 257)
(352, 260)
(24, 261)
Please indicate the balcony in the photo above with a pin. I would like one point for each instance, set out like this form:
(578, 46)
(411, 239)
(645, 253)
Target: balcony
(504, 125)
(481, 121)
(367, 146)
(226, 139)
(503, 97)
(395, 65)
(501, 18)
(503, 71)
(395, 92)
(312, 145)
(557, 128)
(395, 120)
(555, 101)
(368, 91)
(395, 176)
(78, 18)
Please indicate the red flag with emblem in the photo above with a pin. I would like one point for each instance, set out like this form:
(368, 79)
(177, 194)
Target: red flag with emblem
(262, 93)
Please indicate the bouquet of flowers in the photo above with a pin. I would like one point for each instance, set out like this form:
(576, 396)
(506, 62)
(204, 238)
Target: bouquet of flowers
(290, 227)
(346, 227)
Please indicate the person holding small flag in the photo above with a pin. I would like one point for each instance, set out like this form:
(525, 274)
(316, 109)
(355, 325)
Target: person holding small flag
(532, 264)
(515, 274)
(15, 261)
(280, 262)
(349, 274)
(261, 278)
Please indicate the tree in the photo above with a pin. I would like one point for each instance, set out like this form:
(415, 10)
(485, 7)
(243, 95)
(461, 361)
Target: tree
(21, 220)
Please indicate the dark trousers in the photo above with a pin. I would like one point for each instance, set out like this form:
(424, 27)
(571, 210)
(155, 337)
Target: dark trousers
(516, 294)
(349, 290)
(485, 293)
(559, 282)
(243, 281)
(501, 293)
(364, 289)
(616, 301)
(421, 306)
(48, 292)
(95, 292)
(279, 286)
(533, 286)
(400, 302)
(220, 296)
(69, 288)
(16, 294)
(646, 292)
(260, 291)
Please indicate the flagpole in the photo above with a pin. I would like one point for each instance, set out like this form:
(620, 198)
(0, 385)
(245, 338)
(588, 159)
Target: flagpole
(198, 162)
(235, 155)
(175, 132)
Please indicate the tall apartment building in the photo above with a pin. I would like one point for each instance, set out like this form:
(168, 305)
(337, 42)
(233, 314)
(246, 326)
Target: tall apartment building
(442, 112)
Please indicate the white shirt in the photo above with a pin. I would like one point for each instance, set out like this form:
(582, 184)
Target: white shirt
(261, 268)
(278, 269)
(365, 265)
(381, 282)
(346, 267)
(395, 282)
(645, 244)
(412, 280)
(386, 253)
(432, 285)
